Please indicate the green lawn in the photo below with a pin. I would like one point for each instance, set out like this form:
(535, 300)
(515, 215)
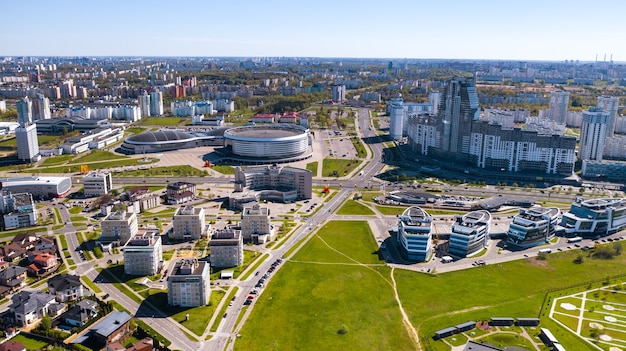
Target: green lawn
(336, 167)
(330, 285)
(99, 155)
(312, 306)
(359, 147)
(75, 167)
(174, 171)
(223, 169)
(162, 121)
(29, 344)
(56, 160)
(391, 210)
(352, 207)
(76, 210)
(312, 166)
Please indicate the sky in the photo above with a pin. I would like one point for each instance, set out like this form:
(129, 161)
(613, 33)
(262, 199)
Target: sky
(454, 29)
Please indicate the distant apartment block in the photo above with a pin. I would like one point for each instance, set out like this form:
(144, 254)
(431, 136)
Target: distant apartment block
(143, 255)
(27, 143)
(559, 101)
(226, 248)
(97, 183)
(188, 224)
(119, 227)
(18, 210)
(188, 284)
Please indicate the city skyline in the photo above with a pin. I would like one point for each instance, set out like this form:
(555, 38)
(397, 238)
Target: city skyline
(550, 31)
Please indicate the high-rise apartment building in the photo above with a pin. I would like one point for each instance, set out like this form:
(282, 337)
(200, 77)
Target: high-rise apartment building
(226, 248)
(396, 118)
(156, 103)
(27, 142)
(143, 255)
(559, 101)
(609, 104)
(41, 108)
(593, 134)
(189, 284)
(119, 227)
(457, 109)
(24, 111)
(144, 103)
(188, 224)
(338, 92)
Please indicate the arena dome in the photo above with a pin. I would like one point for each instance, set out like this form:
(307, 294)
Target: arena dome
(267, 141)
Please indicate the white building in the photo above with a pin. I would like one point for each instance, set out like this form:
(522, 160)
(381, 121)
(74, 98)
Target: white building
(470, 233)
(24, 111)
(595, 217)
(255, 224)
(27, 143)
(396, 118)
(338, 92)
(593, 134)
(41, 108)
(156, 103)
(143, 255)
(609, 104)
(144, 103)
(559, 101)
(97, 183)
(414, 234)
(226, 248)
(189, 284)
(119, 227)
(188, 224)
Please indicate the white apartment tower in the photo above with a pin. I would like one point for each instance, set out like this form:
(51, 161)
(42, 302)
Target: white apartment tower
(433, 98)
(396, 114)
(609, 104)
(593, 134)
(24, 111)
(559, 100)
(338, 92)
(144, 103)
(41, 108)
(27, 143)
(156, 103)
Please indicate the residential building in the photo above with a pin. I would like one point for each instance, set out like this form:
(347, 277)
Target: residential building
(13, 277)
(593, 134)
(27, 143)
(19, 210)
(414, 234)
(609, 104)
(180, 192)
(226, 248)
(188, 224)
(24, 111)
(66, 287)
(41, 108)
(255, 224)
(143, 255)
(12, 346)
(142, 198)
(119, 227)
(42, 263)
(80, 313)
(109, 329)
(188, 284)
(97, 183)
(144, 103)
(275, 183)
(338, 92)
(470, 234)
(532, 226)
(559, 101)
(29, 307)
(156, 103)
(396, 118)
(595, 217)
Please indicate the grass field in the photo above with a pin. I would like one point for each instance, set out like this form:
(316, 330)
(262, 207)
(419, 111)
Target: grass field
(99, 155)
(223, 169)
(359, 147)
(312, 166)
(352, 207)
(75, 167)
(162, 121)
(321, 297)
(56, 160)
(29, 344)
(336, 167)
(174, 171)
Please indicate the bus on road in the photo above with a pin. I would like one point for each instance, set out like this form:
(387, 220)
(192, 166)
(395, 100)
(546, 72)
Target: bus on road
(574, 239)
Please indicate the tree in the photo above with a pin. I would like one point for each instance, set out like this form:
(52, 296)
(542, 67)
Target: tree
(46, 323)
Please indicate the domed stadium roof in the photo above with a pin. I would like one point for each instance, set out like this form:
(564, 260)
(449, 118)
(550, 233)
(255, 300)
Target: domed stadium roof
(161, 135)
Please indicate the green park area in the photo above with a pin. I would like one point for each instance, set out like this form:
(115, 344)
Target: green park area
(335, 293)
(352, 207)
(337, 167)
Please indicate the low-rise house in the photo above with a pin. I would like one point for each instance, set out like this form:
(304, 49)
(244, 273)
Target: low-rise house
(29, 307)
(12, 346)
(66, 287)
(13, 277)
(180, 192)
(108, 330)
(145, 344)
(142, 198)
(79, 314)
(42, 264)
